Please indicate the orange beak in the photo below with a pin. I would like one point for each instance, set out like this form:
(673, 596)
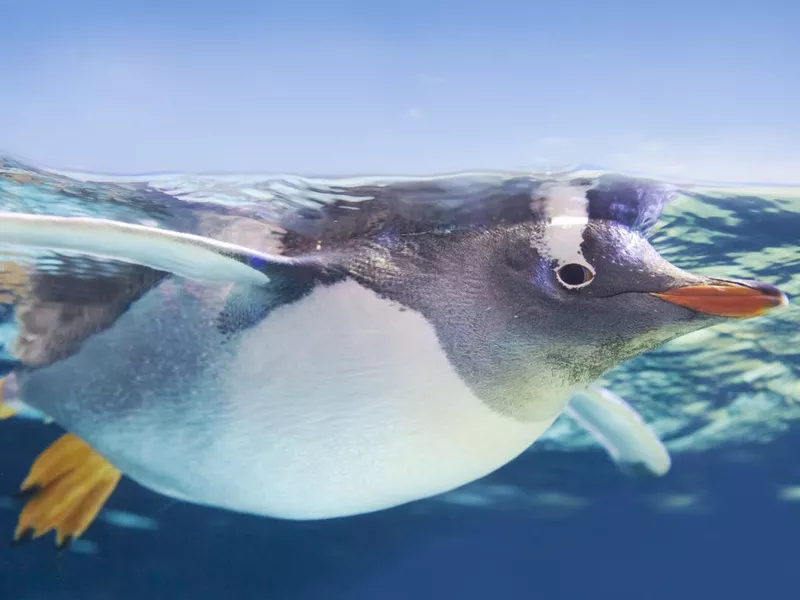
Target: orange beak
(738, 299)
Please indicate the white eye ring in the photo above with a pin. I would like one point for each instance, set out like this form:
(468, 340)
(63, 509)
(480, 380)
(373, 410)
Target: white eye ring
(574, 276)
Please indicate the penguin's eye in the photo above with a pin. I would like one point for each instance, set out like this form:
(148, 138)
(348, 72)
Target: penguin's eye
(574, 275)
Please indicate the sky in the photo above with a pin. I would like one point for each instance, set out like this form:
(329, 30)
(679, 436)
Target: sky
(702, 89)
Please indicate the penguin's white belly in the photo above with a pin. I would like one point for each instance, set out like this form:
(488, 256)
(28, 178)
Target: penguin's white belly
(342, 404)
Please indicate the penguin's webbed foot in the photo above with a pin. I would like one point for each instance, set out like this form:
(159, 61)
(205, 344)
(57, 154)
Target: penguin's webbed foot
(67, 486)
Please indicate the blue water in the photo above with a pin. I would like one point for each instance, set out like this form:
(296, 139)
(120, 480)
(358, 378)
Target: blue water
(740, 544)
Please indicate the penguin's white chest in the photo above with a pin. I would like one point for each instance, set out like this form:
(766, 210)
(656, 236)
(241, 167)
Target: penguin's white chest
(345, 403)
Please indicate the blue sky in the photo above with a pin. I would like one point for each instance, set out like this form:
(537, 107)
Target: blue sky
(706, 89)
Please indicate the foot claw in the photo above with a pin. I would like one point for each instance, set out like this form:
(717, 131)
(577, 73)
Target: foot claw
(65, 543)
(22, 537)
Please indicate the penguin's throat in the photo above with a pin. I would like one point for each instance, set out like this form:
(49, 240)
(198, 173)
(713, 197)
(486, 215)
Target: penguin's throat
(530, 381)
(532, 395)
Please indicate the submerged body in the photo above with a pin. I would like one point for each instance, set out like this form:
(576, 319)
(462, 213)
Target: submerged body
(343, 347)
(280, 429)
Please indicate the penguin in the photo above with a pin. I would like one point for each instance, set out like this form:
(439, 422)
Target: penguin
(305, 348)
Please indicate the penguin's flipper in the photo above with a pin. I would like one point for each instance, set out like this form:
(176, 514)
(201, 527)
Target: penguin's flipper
(620, 430)
(184, 254)
(68, 484)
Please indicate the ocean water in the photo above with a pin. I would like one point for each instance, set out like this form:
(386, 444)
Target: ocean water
(561, 521)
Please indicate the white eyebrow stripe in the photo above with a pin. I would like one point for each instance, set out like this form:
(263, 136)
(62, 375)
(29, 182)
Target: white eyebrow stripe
(567, 212)
(566, 220)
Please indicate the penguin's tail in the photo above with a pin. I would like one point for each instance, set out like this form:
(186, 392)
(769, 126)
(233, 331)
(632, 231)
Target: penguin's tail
(11, 405)
(8, 406)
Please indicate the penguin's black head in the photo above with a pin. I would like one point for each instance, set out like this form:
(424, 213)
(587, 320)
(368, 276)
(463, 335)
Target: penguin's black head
(615, 297)
(556, 301)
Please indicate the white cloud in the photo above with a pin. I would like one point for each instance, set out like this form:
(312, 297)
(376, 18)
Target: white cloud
(433, 79)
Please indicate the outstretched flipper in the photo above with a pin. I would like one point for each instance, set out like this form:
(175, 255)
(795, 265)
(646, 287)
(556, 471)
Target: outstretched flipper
(69, 483)
(184, 254)
(620, 430)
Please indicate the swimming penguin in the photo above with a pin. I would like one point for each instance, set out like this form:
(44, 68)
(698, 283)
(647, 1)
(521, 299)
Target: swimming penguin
(313, 348)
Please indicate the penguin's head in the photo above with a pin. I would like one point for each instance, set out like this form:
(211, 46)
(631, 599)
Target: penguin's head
(571, 293)
(613, 296)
